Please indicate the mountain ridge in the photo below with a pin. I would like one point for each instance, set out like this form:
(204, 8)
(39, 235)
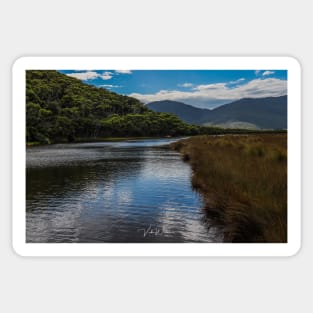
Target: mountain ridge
(190, 113)
(263, 113)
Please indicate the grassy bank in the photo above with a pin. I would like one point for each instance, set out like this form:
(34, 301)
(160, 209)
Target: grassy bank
(244, 182)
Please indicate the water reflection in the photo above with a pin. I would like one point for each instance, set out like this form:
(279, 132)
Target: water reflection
(112, 192)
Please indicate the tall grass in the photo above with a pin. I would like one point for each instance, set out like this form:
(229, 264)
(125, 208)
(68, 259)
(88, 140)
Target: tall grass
(244, 182)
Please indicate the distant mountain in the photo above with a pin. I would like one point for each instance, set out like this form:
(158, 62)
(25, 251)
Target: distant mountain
(186, 112)
(264, 113)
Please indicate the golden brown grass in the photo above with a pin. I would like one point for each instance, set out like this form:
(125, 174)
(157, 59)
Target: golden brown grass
(244, 182)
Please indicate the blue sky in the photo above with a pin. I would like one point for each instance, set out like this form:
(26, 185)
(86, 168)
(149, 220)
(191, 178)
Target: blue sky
(200, 88)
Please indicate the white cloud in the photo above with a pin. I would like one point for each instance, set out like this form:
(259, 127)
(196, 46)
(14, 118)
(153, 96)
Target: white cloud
(185, 85)
(84, 75)
(89, 75)
(106, 75)
(109, 86)
(210, 87)
(266, 73)
(216, 94)
(123, 71)
(233, 82)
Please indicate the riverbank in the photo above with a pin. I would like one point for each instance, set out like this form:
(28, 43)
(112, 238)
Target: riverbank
(97, 139)
(213, 131)
(243, 179)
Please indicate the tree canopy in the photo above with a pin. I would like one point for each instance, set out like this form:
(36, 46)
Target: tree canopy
(62, 108)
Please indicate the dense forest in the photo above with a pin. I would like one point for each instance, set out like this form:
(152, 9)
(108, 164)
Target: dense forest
(60, 108)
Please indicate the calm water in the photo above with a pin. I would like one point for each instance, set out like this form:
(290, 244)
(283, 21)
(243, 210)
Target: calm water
(130, 191)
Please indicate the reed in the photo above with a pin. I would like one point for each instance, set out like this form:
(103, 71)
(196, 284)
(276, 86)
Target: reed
(243, 179)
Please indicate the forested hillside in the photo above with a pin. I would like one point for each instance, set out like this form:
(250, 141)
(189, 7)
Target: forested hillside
(61, 108)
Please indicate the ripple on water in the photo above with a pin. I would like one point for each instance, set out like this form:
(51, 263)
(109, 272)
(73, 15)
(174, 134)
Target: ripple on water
(134, 191)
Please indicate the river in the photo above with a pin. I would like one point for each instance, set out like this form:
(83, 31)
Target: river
(119, 192)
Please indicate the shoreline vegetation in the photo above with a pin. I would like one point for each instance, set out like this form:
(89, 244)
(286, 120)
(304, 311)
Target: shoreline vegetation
(243, 180)
(97, 139)
(217, 132)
